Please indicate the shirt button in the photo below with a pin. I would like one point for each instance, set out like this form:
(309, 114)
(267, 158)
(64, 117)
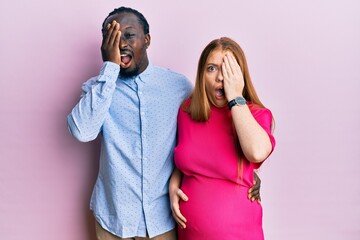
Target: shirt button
(140, 92)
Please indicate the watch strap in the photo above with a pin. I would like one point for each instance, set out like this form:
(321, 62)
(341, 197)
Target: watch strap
(236, 101)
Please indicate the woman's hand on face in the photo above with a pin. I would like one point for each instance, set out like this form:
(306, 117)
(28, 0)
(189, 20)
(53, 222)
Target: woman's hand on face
(175, 197)
(233, 77)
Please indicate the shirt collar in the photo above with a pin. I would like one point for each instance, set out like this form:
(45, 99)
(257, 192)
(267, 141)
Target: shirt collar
(147, 72)
(142, 76)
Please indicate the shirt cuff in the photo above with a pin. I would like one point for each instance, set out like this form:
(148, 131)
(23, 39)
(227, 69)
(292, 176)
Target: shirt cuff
(109, 70)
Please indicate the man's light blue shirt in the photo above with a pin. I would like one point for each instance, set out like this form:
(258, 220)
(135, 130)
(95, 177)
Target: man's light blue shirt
(137, 120)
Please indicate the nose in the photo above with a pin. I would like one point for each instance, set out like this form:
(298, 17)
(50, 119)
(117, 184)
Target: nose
(220, 77)
(123, 42)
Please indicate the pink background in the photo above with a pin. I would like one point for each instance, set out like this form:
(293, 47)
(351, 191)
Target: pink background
(304, 58)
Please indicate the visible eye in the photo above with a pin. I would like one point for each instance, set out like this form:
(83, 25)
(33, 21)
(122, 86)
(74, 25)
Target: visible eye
(129, 35)
(211, 68)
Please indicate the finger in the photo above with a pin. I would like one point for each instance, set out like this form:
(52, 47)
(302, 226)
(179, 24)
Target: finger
(176, 209)
(114, 33)
(254, 188)
(232, 62)
(180, 223)
(109, 32)
(106, 35)
(254, 196)
(224, 72)
(255, 178)
(257, 181)
(182, 195)
(179, 215)
(254, 191)
(117, 39)
(227, 65)
(105, 30)
(179, 218)
(236, 65)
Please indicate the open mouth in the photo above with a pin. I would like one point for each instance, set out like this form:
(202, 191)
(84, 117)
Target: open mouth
(219, 92)
(125, 59)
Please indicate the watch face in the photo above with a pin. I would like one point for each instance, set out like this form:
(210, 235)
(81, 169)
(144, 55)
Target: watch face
(240, 100)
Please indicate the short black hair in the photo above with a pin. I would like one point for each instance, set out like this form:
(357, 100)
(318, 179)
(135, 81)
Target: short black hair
(141, 18)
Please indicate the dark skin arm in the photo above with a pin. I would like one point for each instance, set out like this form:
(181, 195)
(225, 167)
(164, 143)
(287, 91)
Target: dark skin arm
(110, 49)
(254, 191)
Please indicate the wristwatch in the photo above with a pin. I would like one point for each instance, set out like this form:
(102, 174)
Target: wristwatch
(237, 101)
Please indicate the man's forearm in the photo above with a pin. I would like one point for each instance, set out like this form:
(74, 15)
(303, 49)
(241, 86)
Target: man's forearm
(87, 117)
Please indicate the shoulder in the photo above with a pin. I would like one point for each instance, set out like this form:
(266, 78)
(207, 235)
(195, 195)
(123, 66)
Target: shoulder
(184, 106)
(173, 81)
(170, 74)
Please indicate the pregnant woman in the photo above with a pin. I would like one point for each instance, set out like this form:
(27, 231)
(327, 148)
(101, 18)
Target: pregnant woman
(224, 134)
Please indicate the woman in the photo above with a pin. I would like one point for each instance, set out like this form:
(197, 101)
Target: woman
(224, 134)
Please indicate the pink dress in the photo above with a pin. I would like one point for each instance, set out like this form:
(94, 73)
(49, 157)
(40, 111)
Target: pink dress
(218, 207)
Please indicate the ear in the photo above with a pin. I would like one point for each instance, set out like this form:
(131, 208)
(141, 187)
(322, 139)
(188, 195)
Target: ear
(147, 40)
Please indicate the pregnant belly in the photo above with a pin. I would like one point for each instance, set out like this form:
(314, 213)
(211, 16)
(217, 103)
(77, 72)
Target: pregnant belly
(219, 208)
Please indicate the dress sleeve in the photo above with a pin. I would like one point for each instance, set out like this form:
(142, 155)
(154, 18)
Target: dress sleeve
(265, 119)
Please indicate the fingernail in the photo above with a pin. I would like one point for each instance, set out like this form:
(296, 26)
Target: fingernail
(252, 199)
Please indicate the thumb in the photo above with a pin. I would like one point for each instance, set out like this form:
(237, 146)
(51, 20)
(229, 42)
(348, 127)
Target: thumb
(182, 195)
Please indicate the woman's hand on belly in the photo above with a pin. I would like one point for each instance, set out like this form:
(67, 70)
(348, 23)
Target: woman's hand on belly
(177, 195)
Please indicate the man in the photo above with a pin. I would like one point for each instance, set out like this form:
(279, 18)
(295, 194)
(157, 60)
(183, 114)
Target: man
(134, 105)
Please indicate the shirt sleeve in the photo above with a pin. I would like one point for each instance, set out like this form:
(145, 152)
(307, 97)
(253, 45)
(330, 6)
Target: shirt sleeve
(86, 118)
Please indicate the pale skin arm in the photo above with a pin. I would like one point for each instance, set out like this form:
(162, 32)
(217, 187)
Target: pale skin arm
(254, 140)
(176, 194)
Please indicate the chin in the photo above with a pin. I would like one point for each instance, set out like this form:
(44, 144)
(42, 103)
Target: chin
(128, 72)
(220, 104)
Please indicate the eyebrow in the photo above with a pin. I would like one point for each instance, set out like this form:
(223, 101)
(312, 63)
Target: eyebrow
(215, 64)
(129, 27)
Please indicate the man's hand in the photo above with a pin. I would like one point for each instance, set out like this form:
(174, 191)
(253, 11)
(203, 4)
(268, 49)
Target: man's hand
(254, 191)
(175, 197)
(110, 47)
